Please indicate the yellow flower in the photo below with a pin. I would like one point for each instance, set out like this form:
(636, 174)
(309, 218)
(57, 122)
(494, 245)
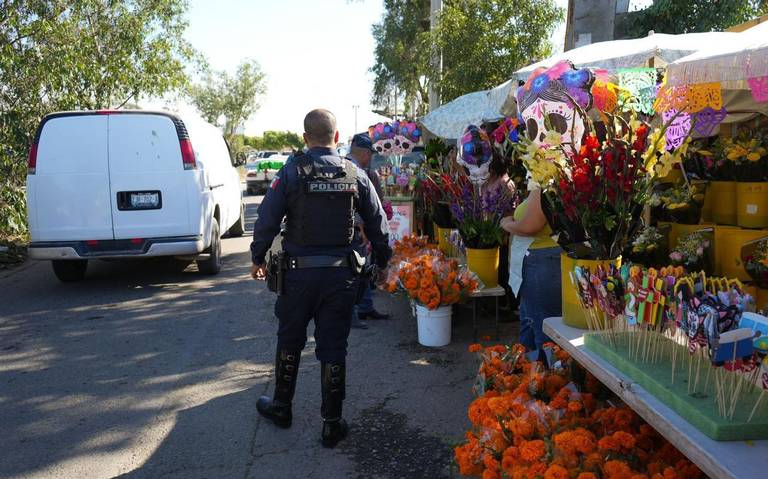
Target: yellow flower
(753, 156)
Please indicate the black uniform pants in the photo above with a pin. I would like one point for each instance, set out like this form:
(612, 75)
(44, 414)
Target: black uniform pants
(326, 295)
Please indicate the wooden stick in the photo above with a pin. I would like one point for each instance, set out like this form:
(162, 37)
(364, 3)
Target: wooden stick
(757, 403)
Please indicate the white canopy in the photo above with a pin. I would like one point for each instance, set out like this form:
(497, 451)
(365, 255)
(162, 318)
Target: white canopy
(450, 120)
(742, 56)
(615, 54)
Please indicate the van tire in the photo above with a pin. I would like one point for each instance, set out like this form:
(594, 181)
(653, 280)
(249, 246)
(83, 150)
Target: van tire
(70, 270)
(212, 265)
(238, 228)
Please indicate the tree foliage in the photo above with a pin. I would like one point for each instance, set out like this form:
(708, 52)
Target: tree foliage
(227, 100)
(274, 140)
(671, 16)
(89, 54)
(484, 41)
(402, 55)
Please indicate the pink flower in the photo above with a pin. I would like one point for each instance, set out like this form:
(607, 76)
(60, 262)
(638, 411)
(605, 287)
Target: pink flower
(675, 256)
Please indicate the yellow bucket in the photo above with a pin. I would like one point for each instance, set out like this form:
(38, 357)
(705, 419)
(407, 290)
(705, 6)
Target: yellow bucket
(485, 264)
(752, 204)
(573, 313)
(723, 202)
(761, 299)
(728, 243)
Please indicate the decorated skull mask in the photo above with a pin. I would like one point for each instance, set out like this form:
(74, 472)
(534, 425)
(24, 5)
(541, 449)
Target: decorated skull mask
(547, 103)
(475, 153)
(383, 138)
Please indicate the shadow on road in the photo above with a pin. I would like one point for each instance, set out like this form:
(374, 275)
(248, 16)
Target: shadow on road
(92, 368)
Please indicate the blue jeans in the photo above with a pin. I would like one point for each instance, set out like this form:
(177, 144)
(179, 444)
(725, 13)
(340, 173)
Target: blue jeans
(365, 305)
(539, 295)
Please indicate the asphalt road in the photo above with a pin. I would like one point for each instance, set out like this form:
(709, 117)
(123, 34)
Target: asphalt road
(145, 371)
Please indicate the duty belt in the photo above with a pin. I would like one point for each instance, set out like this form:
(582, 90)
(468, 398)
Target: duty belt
(300, 262)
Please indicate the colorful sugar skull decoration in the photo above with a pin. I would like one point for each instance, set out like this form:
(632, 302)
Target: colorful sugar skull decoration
(547, 103)
(475, 153)
(396, 138)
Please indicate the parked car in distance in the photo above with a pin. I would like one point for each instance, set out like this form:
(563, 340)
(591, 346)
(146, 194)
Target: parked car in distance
(130, 184)
(259, 175)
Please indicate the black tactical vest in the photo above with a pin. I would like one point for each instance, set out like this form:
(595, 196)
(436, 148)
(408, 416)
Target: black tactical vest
(323, 213)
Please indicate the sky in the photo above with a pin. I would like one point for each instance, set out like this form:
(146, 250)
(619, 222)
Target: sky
(315, 54)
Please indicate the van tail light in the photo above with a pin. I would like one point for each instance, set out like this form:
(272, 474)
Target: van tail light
(32, 160)
(187, 154)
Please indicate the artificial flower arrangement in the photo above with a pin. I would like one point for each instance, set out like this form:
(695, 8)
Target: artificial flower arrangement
(756, 263)
(531, 422)
(693, 252)
(426, 276)
(595, 196)
(648, 248)
(477, 214)
(679, 203)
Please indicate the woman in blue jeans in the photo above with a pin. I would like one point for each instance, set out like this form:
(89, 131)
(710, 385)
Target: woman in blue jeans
(534, 268)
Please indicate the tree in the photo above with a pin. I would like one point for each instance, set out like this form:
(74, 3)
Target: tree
(402, 55)
(228, 101)
(89, 54)
(670, 16)
(484, 41)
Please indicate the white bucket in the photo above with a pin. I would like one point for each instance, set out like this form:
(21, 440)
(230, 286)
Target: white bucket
(434, 325)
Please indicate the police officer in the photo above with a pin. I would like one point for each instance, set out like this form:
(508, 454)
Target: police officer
(318, 193)
(360, 153)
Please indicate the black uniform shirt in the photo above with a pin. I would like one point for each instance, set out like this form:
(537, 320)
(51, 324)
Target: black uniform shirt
(286, 185)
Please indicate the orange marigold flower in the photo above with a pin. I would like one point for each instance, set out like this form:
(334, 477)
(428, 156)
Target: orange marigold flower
(607, 443)
(617, 470)
(556, 472)
(625, 440)
(586, 475)
(473, 348)
(574, 406)
(532, 450)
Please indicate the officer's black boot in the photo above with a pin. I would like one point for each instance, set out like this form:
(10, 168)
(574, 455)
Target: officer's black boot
(278, 408)
(333, 384)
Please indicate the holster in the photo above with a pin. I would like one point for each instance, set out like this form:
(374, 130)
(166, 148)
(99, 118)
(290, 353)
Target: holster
(366, 274)
(276, 272)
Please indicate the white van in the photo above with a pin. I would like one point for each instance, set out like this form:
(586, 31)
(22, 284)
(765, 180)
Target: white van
(130, 184)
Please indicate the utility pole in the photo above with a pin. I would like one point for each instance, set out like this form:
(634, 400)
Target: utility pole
(435, 6)
(355, 107)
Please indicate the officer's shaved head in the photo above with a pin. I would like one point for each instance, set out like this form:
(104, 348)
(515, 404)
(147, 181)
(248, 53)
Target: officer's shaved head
(320, 128)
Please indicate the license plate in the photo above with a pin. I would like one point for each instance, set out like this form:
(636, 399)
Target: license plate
(145, 200)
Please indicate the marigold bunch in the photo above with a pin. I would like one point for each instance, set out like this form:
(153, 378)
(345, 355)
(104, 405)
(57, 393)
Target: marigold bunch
(426, 275)
(530, 422)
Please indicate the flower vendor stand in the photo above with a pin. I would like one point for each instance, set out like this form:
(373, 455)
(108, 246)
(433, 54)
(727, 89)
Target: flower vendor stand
(721, 459)
(573, 311)
(434, 326)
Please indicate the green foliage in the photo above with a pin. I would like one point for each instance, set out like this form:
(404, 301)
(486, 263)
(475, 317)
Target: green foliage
(673, 16)
(89, 54)
(273, 140)
(484, 41)
(402, 55)
(231, 98)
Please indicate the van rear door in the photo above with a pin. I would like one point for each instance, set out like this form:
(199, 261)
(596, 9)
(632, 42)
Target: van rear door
(148, 180)
(69, 191)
